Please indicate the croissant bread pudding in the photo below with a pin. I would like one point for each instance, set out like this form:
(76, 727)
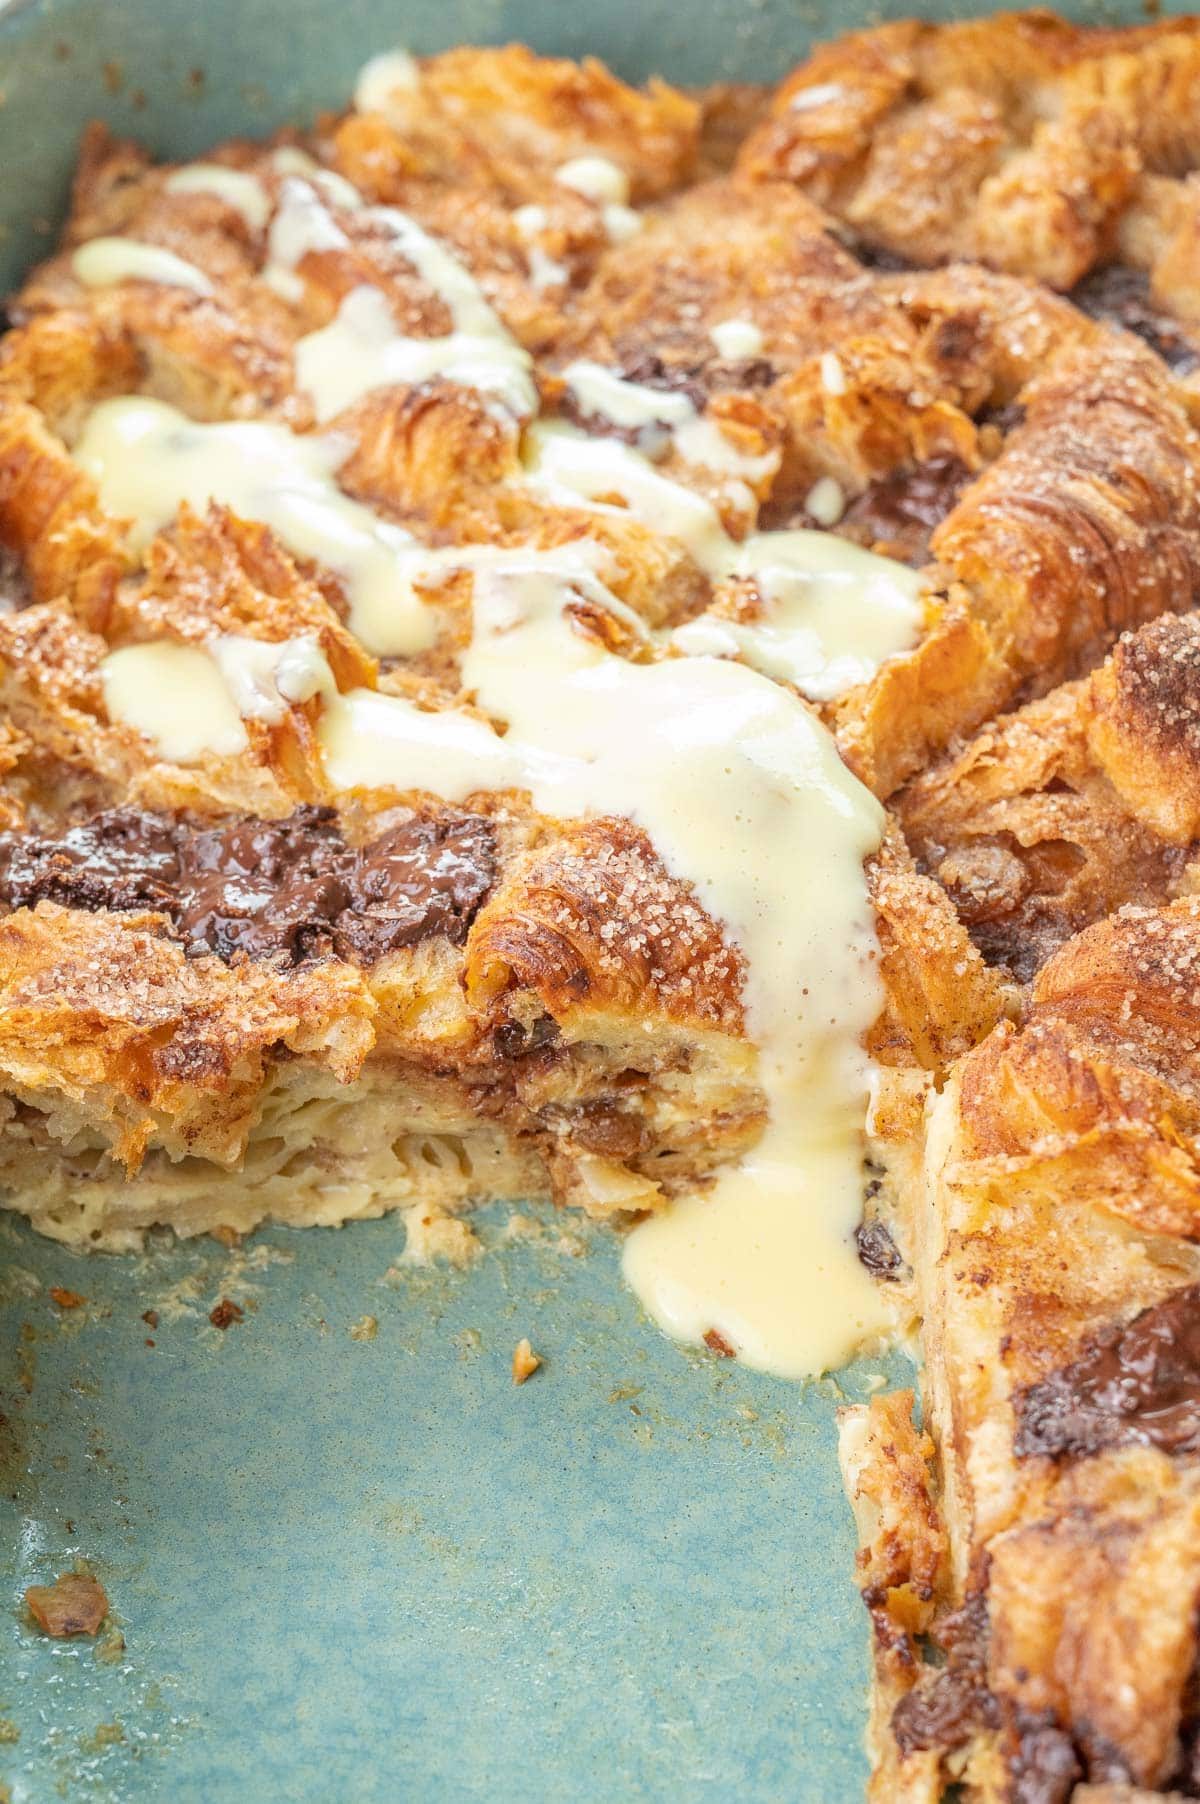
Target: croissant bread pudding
(643, 649)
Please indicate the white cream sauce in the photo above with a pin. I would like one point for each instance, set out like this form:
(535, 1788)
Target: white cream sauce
(236, 187)
(544, 271)
(597, 178)
(146, 458)
(362, 348)
(265, 679)
(653, 411)
(742, 793)
(177, 698)
(735, 781)
(832, 612)
(394, 72)
(736, 338)
(826, 501)
(567, 467)
(605, 183)
(103, 262)
(190, 701)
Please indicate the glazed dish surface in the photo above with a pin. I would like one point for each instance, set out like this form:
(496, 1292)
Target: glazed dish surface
(639, 648)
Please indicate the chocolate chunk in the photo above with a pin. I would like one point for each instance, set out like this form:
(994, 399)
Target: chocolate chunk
(902, 510)
(1121, 297)
(422, 878)
(290, 888)
(652, 371)
(698, 380)
(695, 380)
(1004, 419)
(263, 887)
(878, 256)
(511, 1040)
(651, 437)
(120, 859)
(877, 1250)
(1136, 1385)
(947, 1709)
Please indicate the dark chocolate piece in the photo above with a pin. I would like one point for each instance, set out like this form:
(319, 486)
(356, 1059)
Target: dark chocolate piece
(1136, 1384)
(263, 887)
(878, 256)
(903, 509)
(1121, 297)
(290, 888)
(120, 859)
(428, 876)
(697, 381)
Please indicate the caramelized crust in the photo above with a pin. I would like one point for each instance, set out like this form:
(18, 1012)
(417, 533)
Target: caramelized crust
(1019, 140)
(1077, 441)
(969, 421)
(1086, 523)
(1056, 1267)
(1054, 816)
(508, 119)
(552, 929)
(104, 1021)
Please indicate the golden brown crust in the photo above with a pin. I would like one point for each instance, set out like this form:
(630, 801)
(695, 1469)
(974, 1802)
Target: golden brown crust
(1085, 525)
(551, 928)
(1056, 815)
(888, 1466)
(1062, 1192)
(1017, 140)
(508, 119)
(940, 998)
(924, 363)
(108, 1022)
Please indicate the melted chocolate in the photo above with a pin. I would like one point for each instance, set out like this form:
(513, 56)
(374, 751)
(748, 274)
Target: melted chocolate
(1136, 1384)
(422, 878)
(879, 257)
(262, 887)
(903, 509)
(945, 1712)
(1121, 297)
(512, 1041)
(121, 859)
(652, 437)
(694, 380)
(649, 370)
(290, 888)
(1005, 418)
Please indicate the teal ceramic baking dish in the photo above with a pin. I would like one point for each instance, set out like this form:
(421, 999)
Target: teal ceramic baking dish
(348, 1562)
